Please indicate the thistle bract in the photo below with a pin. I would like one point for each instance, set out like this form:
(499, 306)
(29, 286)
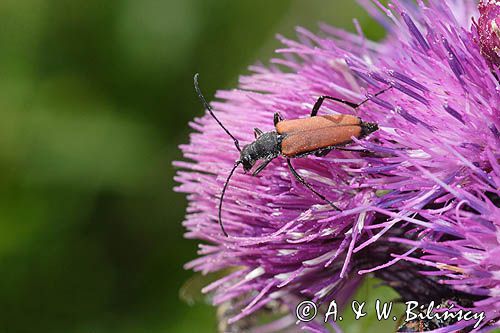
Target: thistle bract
(419, 210)
(488, 27)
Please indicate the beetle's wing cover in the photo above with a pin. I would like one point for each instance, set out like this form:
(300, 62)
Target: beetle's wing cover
(306, 135)
(312, 123)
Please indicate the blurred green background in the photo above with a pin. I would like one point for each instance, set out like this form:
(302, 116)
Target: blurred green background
(95, 97)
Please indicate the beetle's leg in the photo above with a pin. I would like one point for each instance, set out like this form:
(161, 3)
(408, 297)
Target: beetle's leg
(353, 150)
(257, 132)
(277, 118)
(261, 166)
(320, 100)
(322, 152)
(303, 182)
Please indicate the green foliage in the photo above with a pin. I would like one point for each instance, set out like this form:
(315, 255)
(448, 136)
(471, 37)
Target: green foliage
(371, 291)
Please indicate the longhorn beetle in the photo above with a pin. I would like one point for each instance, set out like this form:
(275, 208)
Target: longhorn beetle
(293, 138)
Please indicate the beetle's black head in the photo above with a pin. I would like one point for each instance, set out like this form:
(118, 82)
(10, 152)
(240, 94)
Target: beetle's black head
(367, 128)
(246, 158)
(266, 146)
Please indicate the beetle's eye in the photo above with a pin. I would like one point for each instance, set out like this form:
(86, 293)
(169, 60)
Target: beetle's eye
(247, 163)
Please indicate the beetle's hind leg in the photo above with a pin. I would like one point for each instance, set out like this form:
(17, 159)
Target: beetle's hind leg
(353, 105)
(321, 99)
(303, 182)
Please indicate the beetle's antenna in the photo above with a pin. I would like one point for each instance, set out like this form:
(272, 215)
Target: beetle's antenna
(222, 196)
(209, 108)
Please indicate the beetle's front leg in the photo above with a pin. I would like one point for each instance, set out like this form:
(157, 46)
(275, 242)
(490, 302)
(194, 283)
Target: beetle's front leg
(262, 166)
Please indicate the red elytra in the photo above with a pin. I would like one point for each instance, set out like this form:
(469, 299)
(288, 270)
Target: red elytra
(301, 136)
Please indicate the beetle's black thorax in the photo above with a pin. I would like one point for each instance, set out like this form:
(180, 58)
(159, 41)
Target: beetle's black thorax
(267, 145)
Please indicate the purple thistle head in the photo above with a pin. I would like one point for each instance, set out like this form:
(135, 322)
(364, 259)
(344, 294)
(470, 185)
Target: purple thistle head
(419, 201)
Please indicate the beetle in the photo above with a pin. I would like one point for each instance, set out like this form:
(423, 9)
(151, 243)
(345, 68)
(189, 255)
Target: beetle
(294, 138)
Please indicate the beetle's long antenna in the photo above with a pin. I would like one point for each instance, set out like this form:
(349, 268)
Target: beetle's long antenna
(222, 196)
(209, 108)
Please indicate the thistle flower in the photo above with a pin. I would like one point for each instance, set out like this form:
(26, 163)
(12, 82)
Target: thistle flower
(420, 210)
